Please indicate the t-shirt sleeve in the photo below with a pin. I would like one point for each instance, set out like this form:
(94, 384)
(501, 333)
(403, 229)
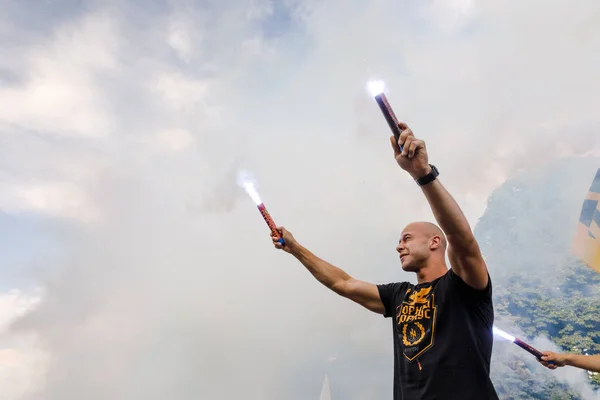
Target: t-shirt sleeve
(479, 300)
(469, 290)
(388, 293)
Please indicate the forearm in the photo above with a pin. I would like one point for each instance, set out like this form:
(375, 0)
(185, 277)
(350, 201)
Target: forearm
(447, 212)
(329, 275)
(590, 363)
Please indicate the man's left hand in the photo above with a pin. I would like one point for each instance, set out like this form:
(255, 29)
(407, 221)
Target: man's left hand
(413, 158)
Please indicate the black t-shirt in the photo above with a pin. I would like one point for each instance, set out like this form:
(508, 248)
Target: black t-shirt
(442, 339)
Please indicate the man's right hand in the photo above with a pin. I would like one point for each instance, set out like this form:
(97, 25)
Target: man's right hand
(288, 238)
(413, 157)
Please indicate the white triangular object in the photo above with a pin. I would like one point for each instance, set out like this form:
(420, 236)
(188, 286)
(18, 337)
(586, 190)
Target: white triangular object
(326, 391)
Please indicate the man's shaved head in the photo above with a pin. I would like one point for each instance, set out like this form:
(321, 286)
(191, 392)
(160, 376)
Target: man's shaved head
(428, 229)
(420, 243)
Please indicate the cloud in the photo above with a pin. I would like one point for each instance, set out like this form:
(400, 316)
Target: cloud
(61, 199)
(124, 125)
(61, 94)
(21, 363)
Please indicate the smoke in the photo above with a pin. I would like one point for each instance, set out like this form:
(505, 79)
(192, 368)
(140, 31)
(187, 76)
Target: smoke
(575, 378)
(123, 126)
(21, 363)
(517, 218)
(513, 358)
(509, 354)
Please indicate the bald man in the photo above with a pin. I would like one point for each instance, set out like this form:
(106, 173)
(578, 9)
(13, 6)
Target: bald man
(442, 326)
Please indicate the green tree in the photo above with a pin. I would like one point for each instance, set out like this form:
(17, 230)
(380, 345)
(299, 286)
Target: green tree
(540, 289)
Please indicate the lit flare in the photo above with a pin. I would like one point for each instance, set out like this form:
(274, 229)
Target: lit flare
(377, 90)
(500, 333)
(247, 183)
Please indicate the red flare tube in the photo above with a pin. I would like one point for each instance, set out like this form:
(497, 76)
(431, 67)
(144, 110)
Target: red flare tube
(388, 113)
(538, 354)
(269, 220)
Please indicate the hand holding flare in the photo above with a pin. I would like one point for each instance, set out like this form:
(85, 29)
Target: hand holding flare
(538, 354)
(249, 187)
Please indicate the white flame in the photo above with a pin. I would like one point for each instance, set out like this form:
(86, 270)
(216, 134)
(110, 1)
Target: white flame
(251, 190)
(376, 87)
(502, 334)
(245, 180)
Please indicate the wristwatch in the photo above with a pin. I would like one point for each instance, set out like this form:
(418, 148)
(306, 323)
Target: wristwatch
(430, 177)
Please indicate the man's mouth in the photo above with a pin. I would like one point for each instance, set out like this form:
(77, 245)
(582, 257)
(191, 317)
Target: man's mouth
(403, 255)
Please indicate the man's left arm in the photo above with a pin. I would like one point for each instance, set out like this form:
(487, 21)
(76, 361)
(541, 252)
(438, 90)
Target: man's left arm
(463, 250)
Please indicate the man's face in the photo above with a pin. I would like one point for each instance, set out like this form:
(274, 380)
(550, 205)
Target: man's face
(413, 248)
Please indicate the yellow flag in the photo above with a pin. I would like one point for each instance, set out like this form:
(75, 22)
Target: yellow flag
(586, 244)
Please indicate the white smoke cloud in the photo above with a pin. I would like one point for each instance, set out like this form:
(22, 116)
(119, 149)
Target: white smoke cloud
(21, 363)
(121, 121)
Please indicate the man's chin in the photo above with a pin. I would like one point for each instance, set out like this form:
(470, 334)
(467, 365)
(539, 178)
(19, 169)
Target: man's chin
(408, 268)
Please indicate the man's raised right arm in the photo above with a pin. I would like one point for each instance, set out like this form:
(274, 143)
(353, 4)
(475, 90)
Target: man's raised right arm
(364, 293)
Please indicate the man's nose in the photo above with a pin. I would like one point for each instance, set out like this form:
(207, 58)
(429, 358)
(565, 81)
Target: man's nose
(399, 248)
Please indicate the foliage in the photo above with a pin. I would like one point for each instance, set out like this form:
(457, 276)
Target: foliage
(540, 290)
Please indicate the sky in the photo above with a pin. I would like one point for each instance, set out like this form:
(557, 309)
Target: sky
(134, 267)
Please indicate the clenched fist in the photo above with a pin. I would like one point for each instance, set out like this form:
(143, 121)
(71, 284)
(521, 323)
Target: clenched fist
(558, 360)
(288, 238)
(413, 158)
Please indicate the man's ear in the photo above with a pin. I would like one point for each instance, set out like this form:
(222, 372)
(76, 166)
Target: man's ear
(435, 242)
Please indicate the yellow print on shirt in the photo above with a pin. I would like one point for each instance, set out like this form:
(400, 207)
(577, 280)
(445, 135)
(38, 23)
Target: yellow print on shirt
(420, 296)
(415, 318)
(414, 335)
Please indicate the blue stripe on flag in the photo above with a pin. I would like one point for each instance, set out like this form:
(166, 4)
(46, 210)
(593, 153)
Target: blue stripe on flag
(587, 212)
(595, 188)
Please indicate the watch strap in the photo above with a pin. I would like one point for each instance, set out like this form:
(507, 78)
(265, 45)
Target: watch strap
(430, 177)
